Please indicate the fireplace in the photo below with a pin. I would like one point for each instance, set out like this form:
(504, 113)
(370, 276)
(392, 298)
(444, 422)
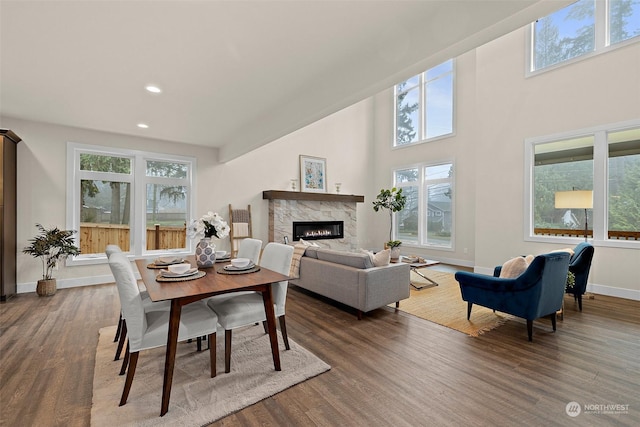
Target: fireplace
(316, 230)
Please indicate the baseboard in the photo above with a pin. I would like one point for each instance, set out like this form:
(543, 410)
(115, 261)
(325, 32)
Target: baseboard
(23, 288)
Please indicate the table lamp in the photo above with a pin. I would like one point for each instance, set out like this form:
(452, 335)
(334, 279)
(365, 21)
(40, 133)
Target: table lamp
(576, 199)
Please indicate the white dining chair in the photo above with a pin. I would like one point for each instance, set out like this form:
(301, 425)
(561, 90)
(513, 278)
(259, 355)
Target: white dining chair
(148, 330)
(121, 331)
(250, 248)
(242, 309)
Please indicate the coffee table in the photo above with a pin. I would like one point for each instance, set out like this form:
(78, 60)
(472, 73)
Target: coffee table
(416, 265)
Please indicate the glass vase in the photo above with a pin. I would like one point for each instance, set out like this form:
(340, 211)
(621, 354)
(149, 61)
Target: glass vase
(205, 253)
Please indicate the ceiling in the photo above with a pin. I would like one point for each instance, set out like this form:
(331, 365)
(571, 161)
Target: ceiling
(234, 75)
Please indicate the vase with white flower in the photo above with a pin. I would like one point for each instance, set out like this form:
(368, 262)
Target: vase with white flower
(210, 225)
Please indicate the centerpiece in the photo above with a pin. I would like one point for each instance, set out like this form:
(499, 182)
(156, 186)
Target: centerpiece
(210, 225)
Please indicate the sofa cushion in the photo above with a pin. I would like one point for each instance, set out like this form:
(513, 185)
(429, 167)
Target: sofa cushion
(514, 267)
(350, 259)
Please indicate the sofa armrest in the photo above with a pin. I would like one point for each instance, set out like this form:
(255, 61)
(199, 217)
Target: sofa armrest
(379, 286)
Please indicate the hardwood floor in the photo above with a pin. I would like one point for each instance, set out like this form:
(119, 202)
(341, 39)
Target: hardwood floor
(390, 368)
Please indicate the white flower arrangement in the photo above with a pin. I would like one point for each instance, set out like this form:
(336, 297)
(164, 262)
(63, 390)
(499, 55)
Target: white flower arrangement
(210, 225)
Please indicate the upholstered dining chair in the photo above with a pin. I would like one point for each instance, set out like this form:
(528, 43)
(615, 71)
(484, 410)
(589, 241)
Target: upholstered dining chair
(148, 330)
(250, 248)
(537, 292)
(579, 265)
(242, 309)
(121, 331)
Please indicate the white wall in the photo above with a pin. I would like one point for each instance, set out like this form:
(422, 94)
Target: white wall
(497, 109)
(343, 139)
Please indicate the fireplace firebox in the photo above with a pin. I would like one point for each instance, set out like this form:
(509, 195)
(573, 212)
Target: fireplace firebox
(316, 230)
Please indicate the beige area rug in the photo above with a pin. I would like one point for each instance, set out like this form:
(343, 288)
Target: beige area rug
(443, 305)
(196, 399)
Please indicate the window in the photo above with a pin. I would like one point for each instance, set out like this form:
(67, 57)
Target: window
(605, 160)
(424, 105)
(583, 28)
(137, 200)
(427, 219)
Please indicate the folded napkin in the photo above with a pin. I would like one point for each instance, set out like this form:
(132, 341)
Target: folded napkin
(167, 261)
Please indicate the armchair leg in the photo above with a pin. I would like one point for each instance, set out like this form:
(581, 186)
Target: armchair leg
(130, 374)
(469, 305)
(579, 298)
(530, 329)
(553, 320)
(227, 351)
(283, 329)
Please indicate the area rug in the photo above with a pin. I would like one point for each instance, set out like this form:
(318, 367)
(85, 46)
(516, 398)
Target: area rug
(196, 399)
(443, 305)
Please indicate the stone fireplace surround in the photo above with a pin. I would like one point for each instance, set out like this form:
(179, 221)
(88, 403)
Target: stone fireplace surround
(285, 207)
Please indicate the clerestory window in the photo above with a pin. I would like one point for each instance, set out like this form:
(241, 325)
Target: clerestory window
(581, 29)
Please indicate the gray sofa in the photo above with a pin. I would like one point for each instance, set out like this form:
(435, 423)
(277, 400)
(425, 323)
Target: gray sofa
(351, 278)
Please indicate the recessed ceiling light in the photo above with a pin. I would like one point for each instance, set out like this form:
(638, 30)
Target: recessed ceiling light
(153, 89)
(143, 125)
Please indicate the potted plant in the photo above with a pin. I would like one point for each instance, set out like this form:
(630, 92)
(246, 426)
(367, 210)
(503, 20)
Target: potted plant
(51, 246)
(392, 200)
(394, 245)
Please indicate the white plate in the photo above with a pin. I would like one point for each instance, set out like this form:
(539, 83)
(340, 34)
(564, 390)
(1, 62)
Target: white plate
(169, 274)
(232, 268)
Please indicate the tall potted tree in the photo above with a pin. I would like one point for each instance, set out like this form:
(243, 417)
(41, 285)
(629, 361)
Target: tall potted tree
(392, 200)
(51, 246)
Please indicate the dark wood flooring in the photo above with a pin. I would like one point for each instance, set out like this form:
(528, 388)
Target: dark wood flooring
(389, 369)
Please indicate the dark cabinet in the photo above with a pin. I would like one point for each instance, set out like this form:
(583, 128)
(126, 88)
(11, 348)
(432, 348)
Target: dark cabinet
(8, 213)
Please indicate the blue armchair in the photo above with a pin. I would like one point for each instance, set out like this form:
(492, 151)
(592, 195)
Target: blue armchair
(538, 292)
(579, 265)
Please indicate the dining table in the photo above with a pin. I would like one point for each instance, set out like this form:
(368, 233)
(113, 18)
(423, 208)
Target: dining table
(180, 293)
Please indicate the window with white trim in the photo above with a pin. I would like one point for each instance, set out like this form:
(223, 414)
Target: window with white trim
(427, 218)
(424, 105)
(140, 201)
(605, 160)
(583, 28)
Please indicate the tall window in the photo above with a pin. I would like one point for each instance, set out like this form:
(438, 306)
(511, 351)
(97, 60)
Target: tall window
(139, 201)
(424, 105)
(427, 219)
(582, 28)
(605, 160)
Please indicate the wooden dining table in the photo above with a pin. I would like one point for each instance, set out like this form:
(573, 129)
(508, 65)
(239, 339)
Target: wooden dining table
(213, 283)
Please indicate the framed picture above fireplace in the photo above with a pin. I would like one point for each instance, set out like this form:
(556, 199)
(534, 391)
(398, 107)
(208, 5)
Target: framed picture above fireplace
(313, 174)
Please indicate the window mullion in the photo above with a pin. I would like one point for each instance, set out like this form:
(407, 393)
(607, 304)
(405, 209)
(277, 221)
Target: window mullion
(139, 207)
(600, 187)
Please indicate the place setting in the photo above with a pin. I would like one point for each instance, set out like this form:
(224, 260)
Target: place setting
(165, 261)
(179, 272)
(239, 266)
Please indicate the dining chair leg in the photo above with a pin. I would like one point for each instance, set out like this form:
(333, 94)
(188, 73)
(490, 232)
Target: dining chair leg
(125, 360)
(264, 325)
(123, 336)
(283, 329)
(130, 373)
(227, 351)
(199, 344)
(115, 339)
(212, 353)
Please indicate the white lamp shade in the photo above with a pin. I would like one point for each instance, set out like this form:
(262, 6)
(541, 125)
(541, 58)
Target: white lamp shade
(577, 199)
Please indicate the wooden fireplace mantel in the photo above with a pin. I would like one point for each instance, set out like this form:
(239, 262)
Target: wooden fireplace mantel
(301, 195)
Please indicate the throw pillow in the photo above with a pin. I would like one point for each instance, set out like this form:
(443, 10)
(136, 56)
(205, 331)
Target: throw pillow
(382, 258)
(514, 267)
(379, 259)
(565, 250)
(298, 252)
